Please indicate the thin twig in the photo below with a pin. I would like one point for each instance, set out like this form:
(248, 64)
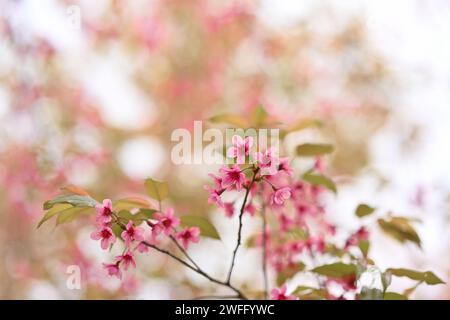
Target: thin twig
(184, 252)
(230, 272)
(239, 294)
(170, 255)
(264, 250)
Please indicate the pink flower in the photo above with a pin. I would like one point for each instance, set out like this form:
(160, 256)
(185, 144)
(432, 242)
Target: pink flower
(280, 196)
(280, 294)
(284, 166)
(268, 162)
(126, 259)
(319, 165)
(104, 211)
(348, 283)
(166, 222)
(217, 180)
(317, 244)
(250, 209)
(113, 269)
(361, 234)
(228, 207)
(104, 234)
(232, 177)
(285, 222)
(132, 233)
(189, 235)
(214, 196)
(142, 248)
(240, 149)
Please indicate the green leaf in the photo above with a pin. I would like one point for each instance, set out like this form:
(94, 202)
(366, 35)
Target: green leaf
(73, 199)
(320, 180)
(297, 234)
(251, 241)
(56, 209)
(312, 150)
(428, 277)
(72, 189)
(147, 213)
(117, 230)
(138, 217)
(333, 250)
(364, 246)
(370, 294)
(336, 270)
(259, 116)
(400, 229)
(131, 203)
(157, 189)
(231, 119)
(364, 210)
(289, 272)
(310, 293)
(207, 229)
(394, 296)
(386, 279)
(127, 215)
(70, 214)
(301, 289)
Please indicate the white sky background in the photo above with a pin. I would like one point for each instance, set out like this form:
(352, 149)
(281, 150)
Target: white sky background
(414, 35)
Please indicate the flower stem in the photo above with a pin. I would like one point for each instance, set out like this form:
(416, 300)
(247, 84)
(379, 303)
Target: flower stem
(239, 235)
(239, 294)
(184, 252)
(264, 250)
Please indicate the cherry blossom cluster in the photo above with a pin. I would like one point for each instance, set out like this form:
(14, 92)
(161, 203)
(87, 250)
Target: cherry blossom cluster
(296, 205)
(295, 235)
(134, 237)
(268, 169)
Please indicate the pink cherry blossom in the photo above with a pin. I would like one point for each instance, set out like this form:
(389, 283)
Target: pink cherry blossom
(319, 165)
(189, 234)
(217, 180)
(104, 211)
(316, 244)
(232, 177)
(113, 269)
(280, 196)
(250, 209)
(228, 207)
(105, 234)
(166, 222)
(240, 149)
(360, 235)
(214, 196)
(268, 162)
(284, 166)
(126, 260)
(142, 248)
(132, 233)
(280, 294)
(286, 222)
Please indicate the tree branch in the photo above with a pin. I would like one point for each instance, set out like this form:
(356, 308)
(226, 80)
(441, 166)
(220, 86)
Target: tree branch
(264, 250)
(233, 260)
(239, 294)
(184, 252)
